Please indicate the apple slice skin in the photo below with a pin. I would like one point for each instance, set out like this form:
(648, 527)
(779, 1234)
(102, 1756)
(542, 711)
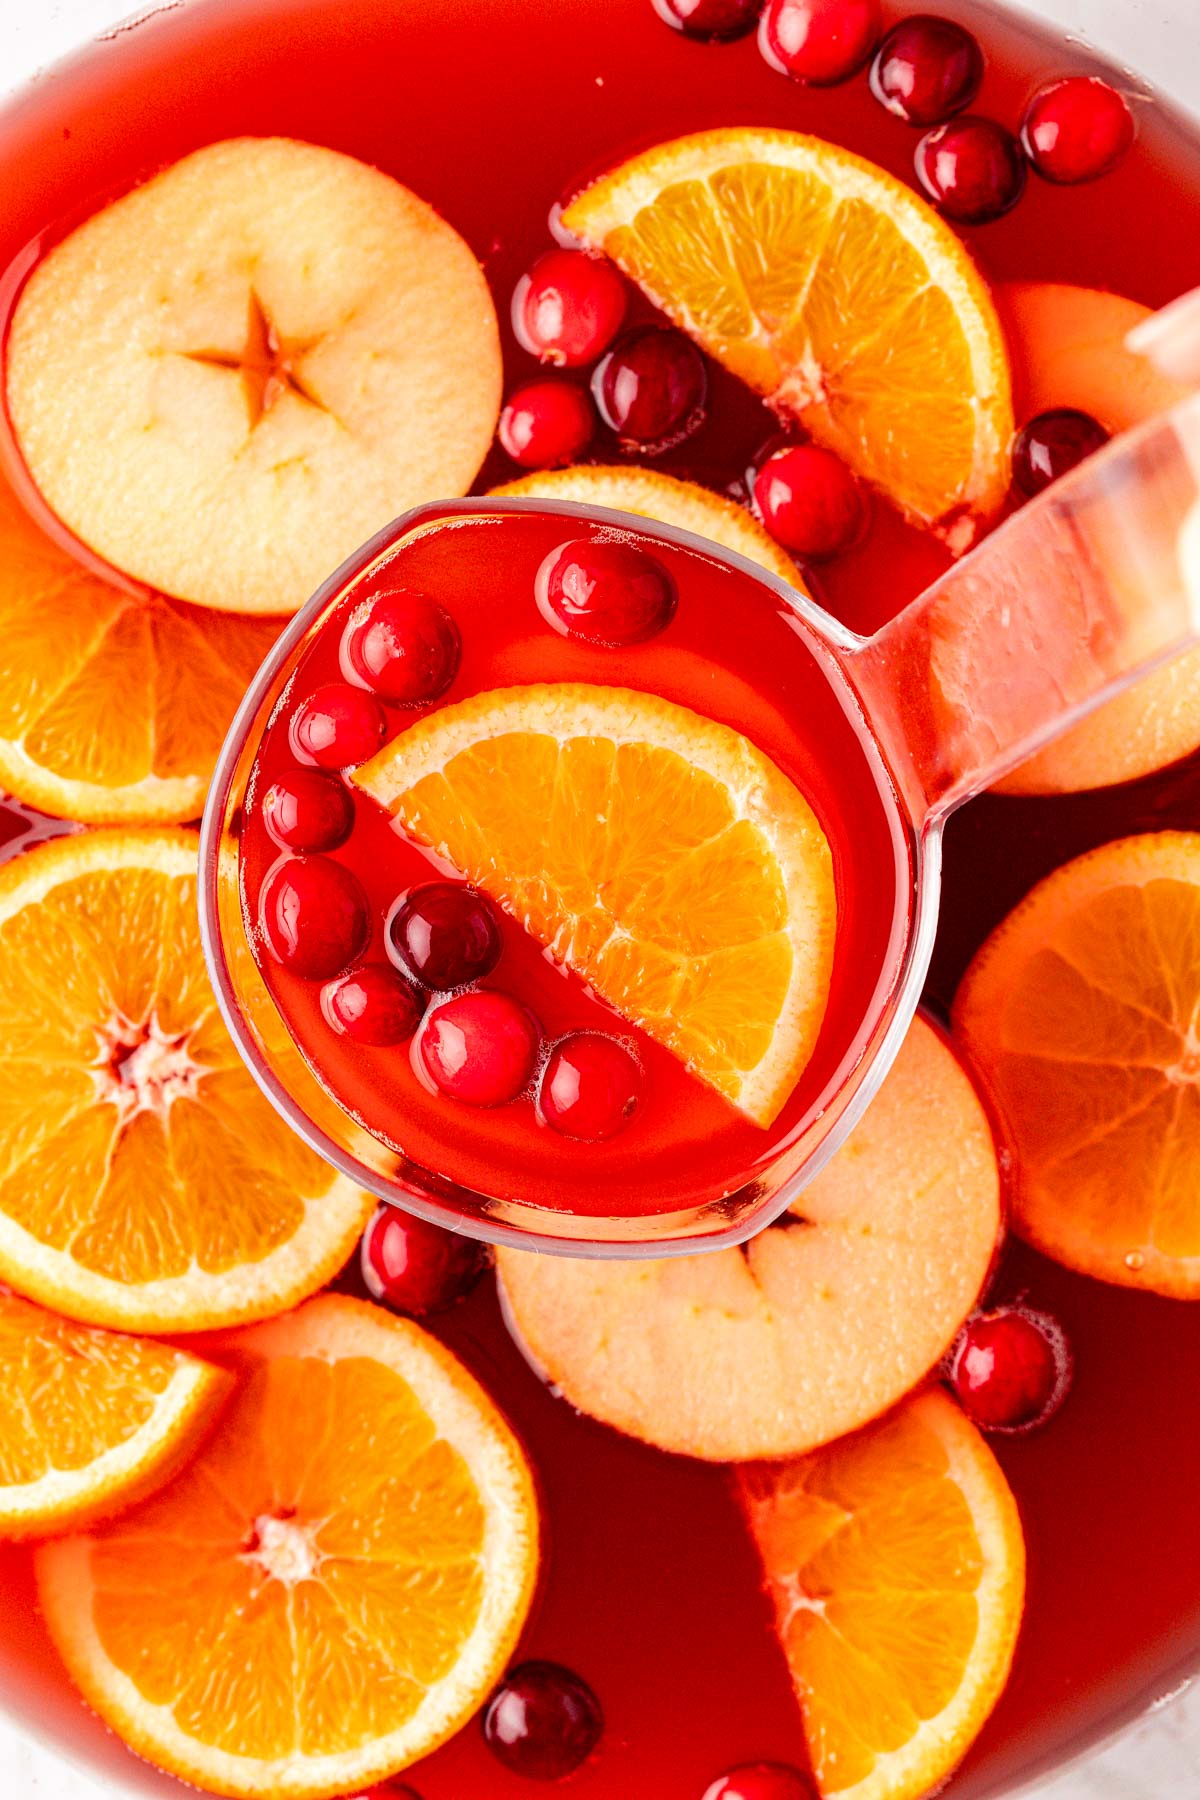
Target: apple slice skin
(816, 1326)
(228, 379)
(1068, 349)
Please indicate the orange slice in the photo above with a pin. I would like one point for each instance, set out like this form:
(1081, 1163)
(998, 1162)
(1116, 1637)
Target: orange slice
(656, 853)
(1083, 1011)
(1068, 349)
(896, 1565)
(334, 1585)
(833, 291)
(112, 705)
(666, 498)
(92, 1420)
(145, 1182)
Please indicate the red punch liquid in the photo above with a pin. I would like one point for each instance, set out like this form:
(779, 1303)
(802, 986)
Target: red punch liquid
(494, 112)
(731, 651)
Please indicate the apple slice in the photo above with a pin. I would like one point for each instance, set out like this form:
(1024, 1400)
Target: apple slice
(229, 378)
(817, 1325)
(1067, 346)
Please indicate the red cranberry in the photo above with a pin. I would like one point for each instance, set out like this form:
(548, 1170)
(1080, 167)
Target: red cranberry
(1051, 444)
(760, 1781)
(712, 20)
(926, 69)
(404, 646)
(809, 500)
(542, 1722)
(373, 1005)
(446, 934)
(338, 726)
(305, 810)
(605, 591)
(546, 424)
(314, 915)
(819, 42)
(480, 1047)
(569, 308)
(415, 1267)
(1077, 129)
(1010, 1368)
(591, 1087)
(651, 388)
(972, 169)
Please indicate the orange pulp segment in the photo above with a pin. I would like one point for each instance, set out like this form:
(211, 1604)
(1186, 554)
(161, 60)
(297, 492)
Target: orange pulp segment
(896, 1565)
(334, 1585)
(1082, 1010)
(655, 852)
(832, 290)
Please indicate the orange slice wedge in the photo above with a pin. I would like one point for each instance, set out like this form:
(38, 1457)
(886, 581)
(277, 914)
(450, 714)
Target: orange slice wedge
(658, 854)
(1083, 1011)
(835, 293)
(145, 1183)
(896, 1565)
(653, 495)
(92, 1420)
(334, 1585)
(112, 705)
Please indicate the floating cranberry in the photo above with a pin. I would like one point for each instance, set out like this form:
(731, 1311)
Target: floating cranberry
(1053, 443)
(819, 42)
(314, 915)
(546, 424)
(1077, 129)
(605, 591)
(760, 1781)
(569, 308)
(809, 501)
(415, 1267)
(591, 1087)
(480, 1047)
(651, 388)
(446, 934)
(305, 810)
(403, 645)
(972, 169)
(1010, 1368)
(373, 1005)
(542, 1722)
(338, 726)
(926, 69)
(712, 20)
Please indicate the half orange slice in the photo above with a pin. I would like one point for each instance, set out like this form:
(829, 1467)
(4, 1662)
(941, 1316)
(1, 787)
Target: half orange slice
(658, 854)
(833, 291)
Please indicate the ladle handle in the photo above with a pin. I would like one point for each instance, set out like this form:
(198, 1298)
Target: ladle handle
(1073, 599)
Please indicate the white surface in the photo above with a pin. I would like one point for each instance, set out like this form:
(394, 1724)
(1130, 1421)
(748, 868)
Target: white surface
(1159, 1759)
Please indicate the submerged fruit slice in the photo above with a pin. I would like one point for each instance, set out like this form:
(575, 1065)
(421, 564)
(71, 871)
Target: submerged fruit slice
(359, 1550)
(668, 499)
(1068, 349)
(896, 1564)
(656, 853)
(228, 379)
(836, 293)
(92, 1420)
(1081, 1009)
(145, 1182)
(816, 1325)
(75, 644)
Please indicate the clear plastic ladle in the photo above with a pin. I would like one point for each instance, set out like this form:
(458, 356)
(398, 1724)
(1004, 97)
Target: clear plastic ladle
(1073, 599)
